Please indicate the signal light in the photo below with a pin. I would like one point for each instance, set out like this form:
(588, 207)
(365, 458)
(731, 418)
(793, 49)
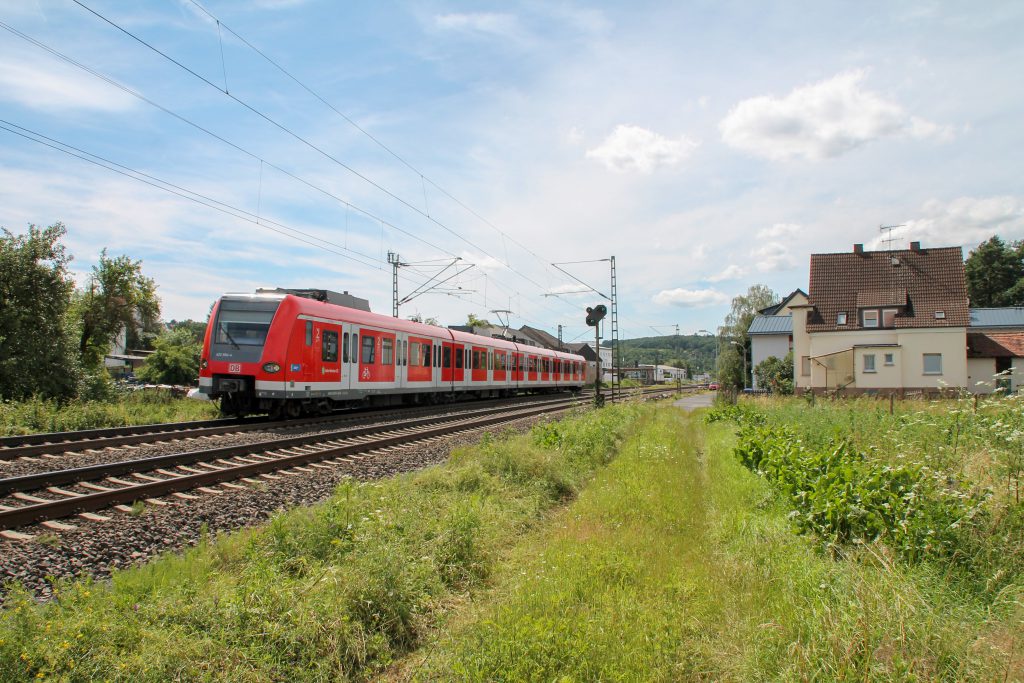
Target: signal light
(595, 314)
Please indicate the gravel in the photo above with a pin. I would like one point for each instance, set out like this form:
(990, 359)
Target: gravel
(94, 549)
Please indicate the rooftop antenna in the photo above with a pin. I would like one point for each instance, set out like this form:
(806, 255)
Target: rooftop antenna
(889, 239)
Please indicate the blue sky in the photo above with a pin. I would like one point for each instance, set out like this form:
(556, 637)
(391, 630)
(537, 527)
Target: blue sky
(707, 145)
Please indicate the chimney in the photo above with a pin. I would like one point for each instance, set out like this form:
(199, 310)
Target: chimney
(858, 249)
(915, 246)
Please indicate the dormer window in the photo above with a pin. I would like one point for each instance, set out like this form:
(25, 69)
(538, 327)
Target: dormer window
(888, 317)
(940, 315)
(841, 318)
(870, 318)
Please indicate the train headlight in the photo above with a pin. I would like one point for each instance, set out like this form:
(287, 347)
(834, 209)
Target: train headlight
(271, 367)
(203, 363)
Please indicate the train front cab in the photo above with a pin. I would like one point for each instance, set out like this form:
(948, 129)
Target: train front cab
(233, 350)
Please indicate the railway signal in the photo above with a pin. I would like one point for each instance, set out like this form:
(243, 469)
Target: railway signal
(594, 316)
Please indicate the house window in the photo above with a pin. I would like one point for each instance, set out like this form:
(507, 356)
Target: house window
(870, 318)
(940, 315)
(888, 317)
(841, 318)
(933, 363)
(869, 362)
(890, 359)
(805, 366)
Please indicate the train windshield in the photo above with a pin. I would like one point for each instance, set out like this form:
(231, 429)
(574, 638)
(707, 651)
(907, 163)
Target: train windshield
(243, 323)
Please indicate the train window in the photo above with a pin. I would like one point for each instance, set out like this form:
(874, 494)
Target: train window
(447, 356)
(405, 353)
(459, 359)
(387, 355)
(309, 333)
(344, 348)
(369, 348)
(330, 347)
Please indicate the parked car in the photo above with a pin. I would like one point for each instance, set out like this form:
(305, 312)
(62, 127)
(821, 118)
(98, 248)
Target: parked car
(713, 386)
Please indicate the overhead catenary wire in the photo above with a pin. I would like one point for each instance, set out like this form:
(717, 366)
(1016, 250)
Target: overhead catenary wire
(423, 177)
(296, 136)
(309, 144)
(134, 93)
(349, 206)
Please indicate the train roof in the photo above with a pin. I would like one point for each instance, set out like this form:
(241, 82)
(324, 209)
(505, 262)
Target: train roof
(316, 308)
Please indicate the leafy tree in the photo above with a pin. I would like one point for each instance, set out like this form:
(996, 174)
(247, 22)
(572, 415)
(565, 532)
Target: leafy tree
(776, 374)
(417, 318)
(473, 321)
(36, 351)
(995, 274)
(196, 328)
(175, 360)
(744, 308)
(117, 297)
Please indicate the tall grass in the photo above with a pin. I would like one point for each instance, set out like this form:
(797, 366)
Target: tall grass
(677, 563)
(333, 592)
(140, 407)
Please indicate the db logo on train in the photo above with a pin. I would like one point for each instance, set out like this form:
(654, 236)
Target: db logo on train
(235, 367)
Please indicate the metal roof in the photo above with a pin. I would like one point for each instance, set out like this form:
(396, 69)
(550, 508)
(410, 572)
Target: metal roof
(771, 324)
(1010, 316)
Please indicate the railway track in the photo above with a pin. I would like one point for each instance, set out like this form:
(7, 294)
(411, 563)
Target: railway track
(54, 443)
(60, 493)
(48, 496)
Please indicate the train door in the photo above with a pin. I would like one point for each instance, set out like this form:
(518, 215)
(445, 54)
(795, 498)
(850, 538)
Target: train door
(459, 366)
(299, 371)
(447, 362)
(479, 365)
(326, 356)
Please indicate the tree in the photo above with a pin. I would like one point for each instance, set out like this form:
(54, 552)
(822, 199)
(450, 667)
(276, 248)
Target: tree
(417, 318)
(175, 360)
(196, 328)
(36, 351)
(776, 374)
(744, 308)
(995, 274)
(117, 297)
(473, 321)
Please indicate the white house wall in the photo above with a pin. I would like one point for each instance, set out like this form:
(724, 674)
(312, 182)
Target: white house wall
(764, 346)
(908, 369)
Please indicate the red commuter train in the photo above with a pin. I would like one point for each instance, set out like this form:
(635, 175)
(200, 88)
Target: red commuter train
(294, 352)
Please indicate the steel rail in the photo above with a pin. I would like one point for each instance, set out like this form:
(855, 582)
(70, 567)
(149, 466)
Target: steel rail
(32, 482)
(17, 517)
(72, 442)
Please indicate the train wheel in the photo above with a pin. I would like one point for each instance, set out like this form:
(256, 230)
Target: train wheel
(324, 407)
(294, 409)
(277, 411)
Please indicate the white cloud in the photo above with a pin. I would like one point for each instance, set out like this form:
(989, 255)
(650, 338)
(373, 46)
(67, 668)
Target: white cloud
(54, 87)
(965, 221)
(779, 230)
(478, 22)
(690, 298)
(632, 148)
(574, 136)
(487, 264)
(731, 272)
(821, 121)
(772, 256)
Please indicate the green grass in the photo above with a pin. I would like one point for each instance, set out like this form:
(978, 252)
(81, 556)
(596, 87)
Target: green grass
(628, 545)
(333, 592)
(677, 563)
(140, 407)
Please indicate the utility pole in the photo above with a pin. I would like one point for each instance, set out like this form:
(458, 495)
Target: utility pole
(560, 345)
(396, 262)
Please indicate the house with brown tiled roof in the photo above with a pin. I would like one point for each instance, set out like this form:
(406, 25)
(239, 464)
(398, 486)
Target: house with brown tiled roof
(883, 322)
